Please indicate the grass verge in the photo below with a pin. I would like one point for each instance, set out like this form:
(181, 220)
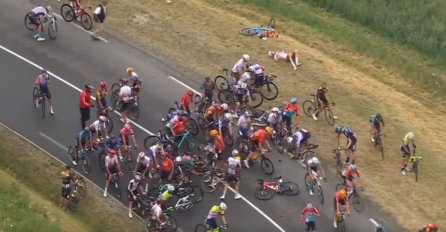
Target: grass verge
(30, 179)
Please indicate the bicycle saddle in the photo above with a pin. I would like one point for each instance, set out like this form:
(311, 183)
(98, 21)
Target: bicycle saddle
(260, 180)
(278, 178)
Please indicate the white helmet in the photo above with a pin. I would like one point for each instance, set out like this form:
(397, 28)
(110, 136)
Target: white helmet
(243, 85)
(275, 109)
(224, 106)
(289, 140)
(235, 152)
(137, 177)
(315, 160)
(223, 206)
(270, 53)
(246, 57)
(228, 116)
(48, 9)
(170, 188)
(102, 118)
(141, 155)
(411, 135)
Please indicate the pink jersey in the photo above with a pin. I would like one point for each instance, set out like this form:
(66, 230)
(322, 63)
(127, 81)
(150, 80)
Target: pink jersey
(126, 132)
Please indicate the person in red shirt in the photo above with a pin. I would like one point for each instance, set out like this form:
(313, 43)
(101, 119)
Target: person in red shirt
(85, 104)
(348, 179)
(186, 101)
(257, 140)
(179, 126)
(429, 228)
(340, 199)
(310, 221)
(292, 108)
(166, 168)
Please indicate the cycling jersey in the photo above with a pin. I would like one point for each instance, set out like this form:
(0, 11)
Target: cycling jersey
(260, 135)
(144, 162)
(166, 195)
(238, 67)
(300, 137)
(233, 165)
(98, 126)
(241, 91)
(179, 127)
(39, 11)
(374, 121)
(213, 109)
(273, 118)
(223, 121)
(256, 69)
(348, 133)
(112, 143)
(126, 132)
(338, 197)
(153, 151)
(125, 93)
(135, 76)
(186, 100)
(185, 160)
(243, 125)
(282, 55)
(84, 135)
(111, 161)
(312, 163)
(133, 185)
(156, 210)
(349, 172)
(43, 80)
(290, 110)
(406, 140)
(215, 209)
(100, 96)
(309, 214)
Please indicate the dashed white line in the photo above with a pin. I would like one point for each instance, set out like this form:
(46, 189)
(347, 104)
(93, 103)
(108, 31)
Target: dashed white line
(53, 141)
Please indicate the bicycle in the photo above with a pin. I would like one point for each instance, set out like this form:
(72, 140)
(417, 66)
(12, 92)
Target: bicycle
(268, 82)
(115, 182)
(161, 137)
(37, 102)
(52, 27)
(269, 31)
(203, 228)
(128, 156)
(207, 103)
(79, 190)
(276, 138)
(314, 184)
(268, 189)
(265, 163)
(379, 143)
(116, 87)
(81, 155)
(310, 106)
(357, 203)
(132, 110)
(69, 14)
(212, 180)
(415, 160)
(337, 157)
(226, 82)
(109, 122)
(169, 226)
(341, 221)
(192, 125)
(228, 139)
(304, 155)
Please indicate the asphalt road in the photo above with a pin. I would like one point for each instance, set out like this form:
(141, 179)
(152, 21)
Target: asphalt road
(79, 60)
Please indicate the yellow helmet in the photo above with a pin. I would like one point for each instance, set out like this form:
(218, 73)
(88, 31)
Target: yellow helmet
(63, 174)
(129, 69)
(238, 158)
(214, 133)
(269, 129)
(342, 193)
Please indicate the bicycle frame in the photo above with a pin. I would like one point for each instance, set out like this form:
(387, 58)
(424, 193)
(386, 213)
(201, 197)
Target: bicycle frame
(271, 185)
(183, 201)
(184, 137)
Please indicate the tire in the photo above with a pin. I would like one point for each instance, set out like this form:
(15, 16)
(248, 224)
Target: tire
(197, 192)
(130, 164)
(200, 228)
(226, 97)
(115, 88)
(249, 31)
(227, 138)
(307, 180)
(197, 99)
(206, 186)
(151, 137)
(67, 12)
(357, 203)
(192, 126)
(173, 225)
(330, 117)
(293, 188)
(305, 156)
(114, 101)
(52, 30)
(86, 165)
(86, 22)
(265, 163)
(133, 112)
(72, 205)
(222, 84)
(272, 23)
(339, 187)
(320, 194)
(259, 97)
(35, 95)
(28, 22)
(279, 145)
(82, 187)
(43, 106)
(202, 124)
(270, 87)
(309, 107)
(101, 158)
(264, 195)
(109, 124)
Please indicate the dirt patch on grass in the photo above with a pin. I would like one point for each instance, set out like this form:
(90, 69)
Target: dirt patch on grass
(40, 174)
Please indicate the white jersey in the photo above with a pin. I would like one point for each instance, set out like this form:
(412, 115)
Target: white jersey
(144, 162)
(233, 164)
(258, 71)
(313, 162)
(239, 66)
(272, 119)
(98, 126)
(125, 93)
(135, 76)
(172, 121)
(298, 137)
(110, 161)
(156, 210)
(243, 121)
(133, 185)
(282, 55)
(244, 78)
(39, 11)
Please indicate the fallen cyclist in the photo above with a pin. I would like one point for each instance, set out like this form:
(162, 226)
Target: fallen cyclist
(288, 57)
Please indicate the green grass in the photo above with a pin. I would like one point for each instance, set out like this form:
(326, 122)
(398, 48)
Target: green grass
(415, 65)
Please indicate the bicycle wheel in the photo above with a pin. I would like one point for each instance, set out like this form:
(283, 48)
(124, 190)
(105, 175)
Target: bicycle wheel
(209, 183)
(101, 157)
(192, 126)
(133, 112)
(130, 162)
(72, 204)
(357, 203)
(150, 141)
(279, 145)
(203, 124)
(86, 165)
(381, 148)
(42, 104)
(272, 23)
(81, 187)
(114, 101)
(198, 194)
(320, 194)
(305, 156)
(52, 30)
(28, 22)
(227, 138)
(309, 108)
(200, 228)
(330, 117)
(86, 22)
(171, 225)
(341, 225)
(249, 31)
(67, 12)
(267, 166)
(35, 95)
(115, 88)
(257, 99)
(264, 195)
(197, 99)
(226, 97)
(271, 92)
(109, 124)
(415, 170)
(222, 84)
(339, 187)
(307, 182)
(289, 188)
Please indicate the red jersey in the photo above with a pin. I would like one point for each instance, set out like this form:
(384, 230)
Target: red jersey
(350, 172)
(85, 99)
(167, 165)
(186, 100)
(219, 143)
(292, 108)
(179, 127)
(259, 136)
(338, 197)
(431, 227)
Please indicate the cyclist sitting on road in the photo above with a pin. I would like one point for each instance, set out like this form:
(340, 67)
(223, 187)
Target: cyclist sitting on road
(113, 143)
(186, 101)
(287, 114)
(143, 166)
(405, 151)
(136, 82)
(208, 92)
(233, 174)
(241, 94)
(36, 16)
(351, 142)
(239, 67)
(211, 223)
(299, 141)
(257, 71)
(84, 139)
(257, 140)
(132, 191)
(42, 81)
(380, 228)
(112, 167)
(314, 165)
(179, 127)
(100, 100)
(340, 199)
(375, 121)
(288, 57)
(98, 126)
(124, 136)
(348, 179)
(310, 220)
(322, 101)
(429, 228)
(274, 120)
(225, 121)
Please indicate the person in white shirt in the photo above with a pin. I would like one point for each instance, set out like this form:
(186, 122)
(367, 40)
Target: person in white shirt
(239, 67)
(257, 71)
(99, 125)
(232, 174)
(288, 57)
(136, 82)
(112, 166)
(132, 191)
(124, 98)
(35, 17)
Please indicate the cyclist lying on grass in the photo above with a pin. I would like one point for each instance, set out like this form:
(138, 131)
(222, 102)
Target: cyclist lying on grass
(288, 57)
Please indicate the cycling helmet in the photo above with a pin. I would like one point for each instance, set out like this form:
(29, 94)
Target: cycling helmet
(353, 167)
(342, 193)
(246, 57)
(309, 134)
(214, 133)
(112, 151)
(129, 70)
(275, 110)
(170, 188)
(224, 106)
(315, 160)
(137, 177)
(410, 135)
(293, 100)
(141, 155)
(48, 9)
(379, 228)
(164, 154)
(378, 116)
(87, 129)
(103, 84)
(338, 129)
(88, 86)
(269, 129)
(228, 116)
(102, 118)
(190, 93)
(234, 152)
(44, 70)
(223, 206)
(270, 53)
(309, 206)
(159, 145)
(127, 126)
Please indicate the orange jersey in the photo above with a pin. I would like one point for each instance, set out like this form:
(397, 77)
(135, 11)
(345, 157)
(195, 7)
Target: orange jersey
(186, 100)
(219, 143)
(260, 135)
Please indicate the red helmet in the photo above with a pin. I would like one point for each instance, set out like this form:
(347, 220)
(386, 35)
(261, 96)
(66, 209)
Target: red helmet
(190, 93)
(164, 154)
(103, 84)
(112, 151)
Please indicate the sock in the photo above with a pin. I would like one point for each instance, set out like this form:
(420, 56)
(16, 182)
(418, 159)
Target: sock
(224, 193)
(35, 31)
(353, 161)
(347, 160)
(105, 190)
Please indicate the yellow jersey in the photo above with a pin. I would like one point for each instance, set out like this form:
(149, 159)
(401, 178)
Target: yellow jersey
(215, 209)
(166, 195)
(406, 140)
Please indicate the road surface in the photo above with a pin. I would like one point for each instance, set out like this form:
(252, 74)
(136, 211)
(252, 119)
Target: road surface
(74, 60)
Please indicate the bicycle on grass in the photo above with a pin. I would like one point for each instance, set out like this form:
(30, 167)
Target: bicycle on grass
(352, 194)
(260, 30)
(266, 190)
(314, 184)
(79, 191)
(224, 84)
(69, 14)
(379, 143)
(415, 160)
(37, 102)
(81, 155)
(270, 86)
(52, 26)
(310, 106)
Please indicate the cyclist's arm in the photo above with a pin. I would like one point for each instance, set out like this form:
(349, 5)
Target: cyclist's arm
(107, 169)
(329, 96)
(146, 170)
(338, 210)
(223, 218)
(38, 80)
(79, 3)
(119, 166)
(134, 140)
(347, 204)
(98, 99)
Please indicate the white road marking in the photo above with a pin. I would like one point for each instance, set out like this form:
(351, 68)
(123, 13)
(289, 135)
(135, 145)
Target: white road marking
(74, 24)
(139, 126)
(53, 141)
(373, 221)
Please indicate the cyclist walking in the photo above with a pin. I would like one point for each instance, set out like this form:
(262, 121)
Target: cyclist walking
(43, 80)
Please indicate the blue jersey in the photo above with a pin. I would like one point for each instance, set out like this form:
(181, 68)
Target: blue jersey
(177, 112)
(112, 143)
(348, 133)
(223, 121)
(84, 136)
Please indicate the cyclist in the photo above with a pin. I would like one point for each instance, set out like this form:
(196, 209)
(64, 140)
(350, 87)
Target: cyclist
(310, 220)
(257, 140)
(380, 228)
(340, 199)
(351, 142)
(241, 94)
(239, 67)
(429, 228)
(175, 116)
(215, 111)
(208, 92)
(287, 114)
(167, 169)
(36, 16)
(225, 121)
(257, 71)
(136, 82)
(244, 124)
(219, 145)
(132, 190)
(142, 167)
(314, 165)
(153, 152)
(67, 178)
(84, 139)
(166, 195)
(274, 119)
(405, 150)
(179, 127)
(211, 223)
(125, 95)
(43, 80)
(288, 57)
(348, 179)
(124, 136)
(112, 167)
(375, 121)
(186, 101)
(187, 162)
(113, 143)
(100, 99)
(98, 126)
(233, 174)
(322, 101)
(157, 215)
(299, 140)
